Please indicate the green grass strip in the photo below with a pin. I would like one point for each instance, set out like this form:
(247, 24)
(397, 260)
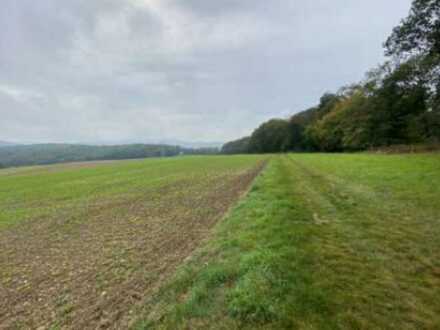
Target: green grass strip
(256, 271)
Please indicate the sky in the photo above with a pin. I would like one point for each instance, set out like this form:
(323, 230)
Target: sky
(122, 71)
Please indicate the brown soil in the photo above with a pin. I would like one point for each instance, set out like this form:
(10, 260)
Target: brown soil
(91, 268)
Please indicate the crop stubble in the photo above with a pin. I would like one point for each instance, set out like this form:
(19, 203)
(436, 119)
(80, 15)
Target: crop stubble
(74, 273)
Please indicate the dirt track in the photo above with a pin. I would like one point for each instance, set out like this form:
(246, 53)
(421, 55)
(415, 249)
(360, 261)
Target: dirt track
(92, 274)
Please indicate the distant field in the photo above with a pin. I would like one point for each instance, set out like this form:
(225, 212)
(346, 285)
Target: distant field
(321, 241)
(83, 244)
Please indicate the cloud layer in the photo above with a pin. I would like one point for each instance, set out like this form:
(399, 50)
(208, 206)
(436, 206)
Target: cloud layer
(145, 70)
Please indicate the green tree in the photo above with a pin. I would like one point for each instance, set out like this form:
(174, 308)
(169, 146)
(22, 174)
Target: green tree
(396, 102)
(240, 146)
(345, 126)
(295, 138)
(270, 137)
(418, 36)
(419, 33)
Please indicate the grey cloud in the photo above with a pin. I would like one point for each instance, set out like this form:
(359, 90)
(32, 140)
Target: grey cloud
(139, 70)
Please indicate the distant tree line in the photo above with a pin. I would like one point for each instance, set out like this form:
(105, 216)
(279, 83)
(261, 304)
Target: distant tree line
(397, 102)
(41, 154)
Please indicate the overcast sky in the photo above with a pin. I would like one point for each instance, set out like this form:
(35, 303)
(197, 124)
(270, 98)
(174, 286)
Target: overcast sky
(197, 70)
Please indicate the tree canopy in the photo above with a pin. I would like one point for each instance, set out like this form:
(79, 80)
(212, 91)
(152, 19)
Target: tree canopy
(417, 40)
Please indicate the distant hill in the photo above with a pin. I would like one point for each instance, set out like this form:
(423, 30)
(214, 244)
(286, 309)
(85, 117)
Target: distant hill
(42, 154)
(6, 144)
(192, 144)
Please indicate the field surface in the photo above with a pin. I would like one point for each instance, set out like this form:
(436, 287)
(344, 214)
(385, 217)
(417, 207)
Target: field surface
(82, 245)
(320, 242)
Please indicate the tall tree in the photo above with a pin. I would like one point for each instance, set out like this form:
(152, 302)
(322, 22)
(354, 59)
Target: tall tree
(419, 33)
(240, 146)
(418, 36)
(272, 136)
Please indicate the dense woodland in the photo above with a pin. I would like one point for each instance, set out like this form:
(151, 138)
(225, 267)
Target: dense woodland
(397, 102)
(41, 154)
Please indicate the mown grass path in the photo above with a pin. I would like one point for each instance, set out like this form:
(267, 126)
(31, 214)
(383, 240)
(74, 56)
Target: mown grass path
(320, 242)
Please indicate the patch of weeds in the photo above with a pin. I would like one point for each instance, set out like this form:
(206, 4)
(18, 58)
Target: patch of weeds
(64, 307)
(251, 299)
